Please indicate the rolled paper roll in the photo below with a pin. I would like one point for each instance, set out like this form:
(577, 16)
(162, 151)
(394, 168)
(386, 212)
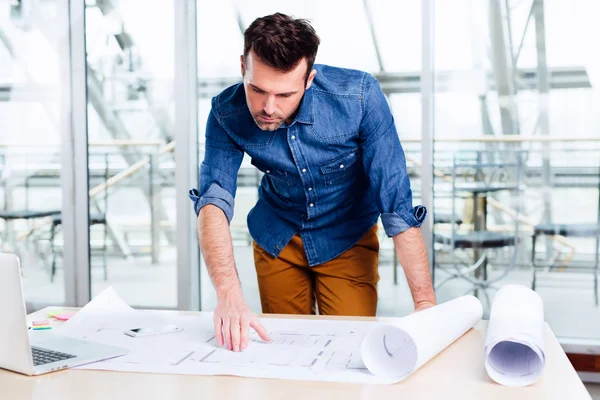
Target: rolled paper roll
(395, 351)
(514, 345)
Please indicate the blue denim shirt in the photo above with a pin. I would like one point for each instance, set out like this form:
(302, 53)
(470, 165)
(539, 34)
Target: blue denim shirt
(328, 175)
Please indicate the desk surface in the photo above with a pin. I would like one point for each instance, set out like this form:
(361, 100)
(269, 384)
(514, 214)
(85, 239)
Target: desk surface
(457, 372)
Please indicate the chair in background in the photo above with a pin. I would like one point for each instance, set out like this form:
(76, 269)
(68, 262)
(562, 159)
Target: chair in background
(573, 231)
(95, 219)
(446, 218)
(10, 216)
(476, 177)
(13, 215)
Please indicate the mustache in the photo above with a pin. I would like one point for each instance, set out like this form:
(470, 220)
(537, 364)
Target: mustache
(272, 116)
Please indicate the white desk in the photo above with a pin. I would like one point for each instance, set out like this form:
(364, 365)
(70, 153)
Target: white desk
(456, 373)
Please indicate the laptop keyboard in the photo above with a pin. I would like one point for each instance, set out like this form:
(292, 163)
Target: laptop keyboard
(43, 356)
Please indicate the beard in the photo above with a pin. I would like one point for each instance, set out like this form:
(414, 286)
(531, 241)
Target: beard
(277, 121)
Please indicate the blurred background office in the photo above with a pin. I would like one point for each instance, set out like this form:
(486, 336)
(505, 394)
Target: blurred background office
(497, 104)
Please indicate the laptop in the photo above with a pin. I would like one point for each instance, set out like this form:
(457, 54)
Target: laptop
(41, 351)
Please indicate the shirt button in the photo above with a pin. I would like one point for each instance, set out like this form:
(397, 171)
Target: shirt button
(293, 137)
(309, 189)
(303, 169)
(341, 165)
(312, 205)
(268, 171)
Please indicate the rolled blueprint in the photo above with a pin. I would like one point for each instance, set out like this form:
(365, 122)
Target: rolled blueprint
(514, 345)
(395, 351)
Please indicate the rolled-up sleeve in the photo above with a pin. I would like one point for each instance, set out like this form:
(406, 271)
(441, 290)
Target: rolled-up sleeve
(219, 169)
(385, 163)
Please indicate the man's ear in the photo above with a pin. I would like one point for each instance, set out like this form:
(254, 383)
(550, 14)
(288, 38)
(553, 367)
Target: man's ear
(309, 81)
(243, 70)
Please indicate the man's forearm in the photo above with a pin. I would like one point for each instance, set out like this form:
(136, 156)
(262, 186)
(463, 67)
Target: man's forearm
(214, 238)
(412, 255)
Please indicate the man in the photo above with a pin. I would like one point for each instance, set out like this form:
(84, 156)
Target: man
(332, 161)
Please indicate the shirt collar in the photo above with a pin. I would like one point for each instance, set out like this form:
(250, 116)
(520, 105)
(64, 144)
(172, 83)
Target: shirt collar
(305, 113)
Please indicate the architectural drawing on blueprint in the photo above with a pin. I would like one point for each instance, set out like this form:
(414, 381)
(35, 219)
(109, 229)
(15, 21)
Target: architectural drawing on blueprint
(313, 351)
(327, 350)
(300, 349)
(333, 350)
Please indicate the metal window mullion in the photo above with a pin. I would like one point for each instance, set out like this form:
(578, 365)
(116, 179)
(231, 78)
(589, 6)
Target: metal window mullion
(74, 166)
(427, 121)
(186, 153)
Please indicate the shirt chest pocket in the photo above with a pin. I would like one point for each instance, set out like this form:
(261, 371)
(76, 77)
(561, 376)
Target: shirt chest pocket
(340, 169)
(247, 135)
(338, 119)
(275, 174)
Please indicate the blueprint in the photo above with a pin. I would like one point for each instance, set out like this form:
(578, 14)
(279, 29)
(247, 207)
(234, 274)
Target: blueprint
(300, 349)
(514, 345)
(396, 350)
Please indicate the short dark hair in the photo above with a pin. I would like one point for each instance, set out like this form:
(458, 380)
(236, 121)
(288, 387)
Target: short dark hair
(281, 41)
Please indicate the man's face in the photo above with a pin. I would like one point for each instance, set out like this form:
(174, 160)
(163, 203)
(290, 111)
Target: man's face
(273, 96)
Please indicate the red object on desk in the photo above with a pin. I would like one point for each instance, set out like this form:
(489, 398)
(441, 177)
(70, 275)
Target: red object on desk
(63, 317)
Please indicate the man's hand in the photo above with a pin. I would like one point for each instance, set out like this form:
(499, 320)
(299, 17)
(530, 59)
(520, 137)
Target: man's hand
(423, 306)
(233, 320)
(232, 317)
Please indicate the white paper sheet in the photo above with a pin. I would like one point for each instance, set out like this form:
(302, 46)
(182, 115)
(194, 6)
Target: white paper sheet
(393, 352)
(300, 349)
(324, 350)
(514, 345)
(107, 301)
(96, 314)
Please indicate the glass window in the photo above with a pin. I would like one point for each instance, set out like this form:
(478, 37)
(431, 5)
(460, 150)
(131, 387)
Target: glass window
(130, 62)
(30, 145)
(508, 88)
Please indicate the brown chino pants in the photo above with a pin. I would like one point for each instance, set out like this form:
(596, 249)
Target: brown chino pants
(346, 285)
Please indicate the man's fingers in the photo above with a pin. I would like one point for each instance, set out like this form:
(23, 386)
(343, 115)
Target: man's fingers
(227, 331)
(219, 330)
(262, 332)
(245, 331)
(235, 333)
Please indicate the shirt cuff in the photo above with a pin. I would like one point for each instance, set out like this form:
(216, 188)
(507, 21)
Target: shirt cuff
(397, 222)
(216, 196)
